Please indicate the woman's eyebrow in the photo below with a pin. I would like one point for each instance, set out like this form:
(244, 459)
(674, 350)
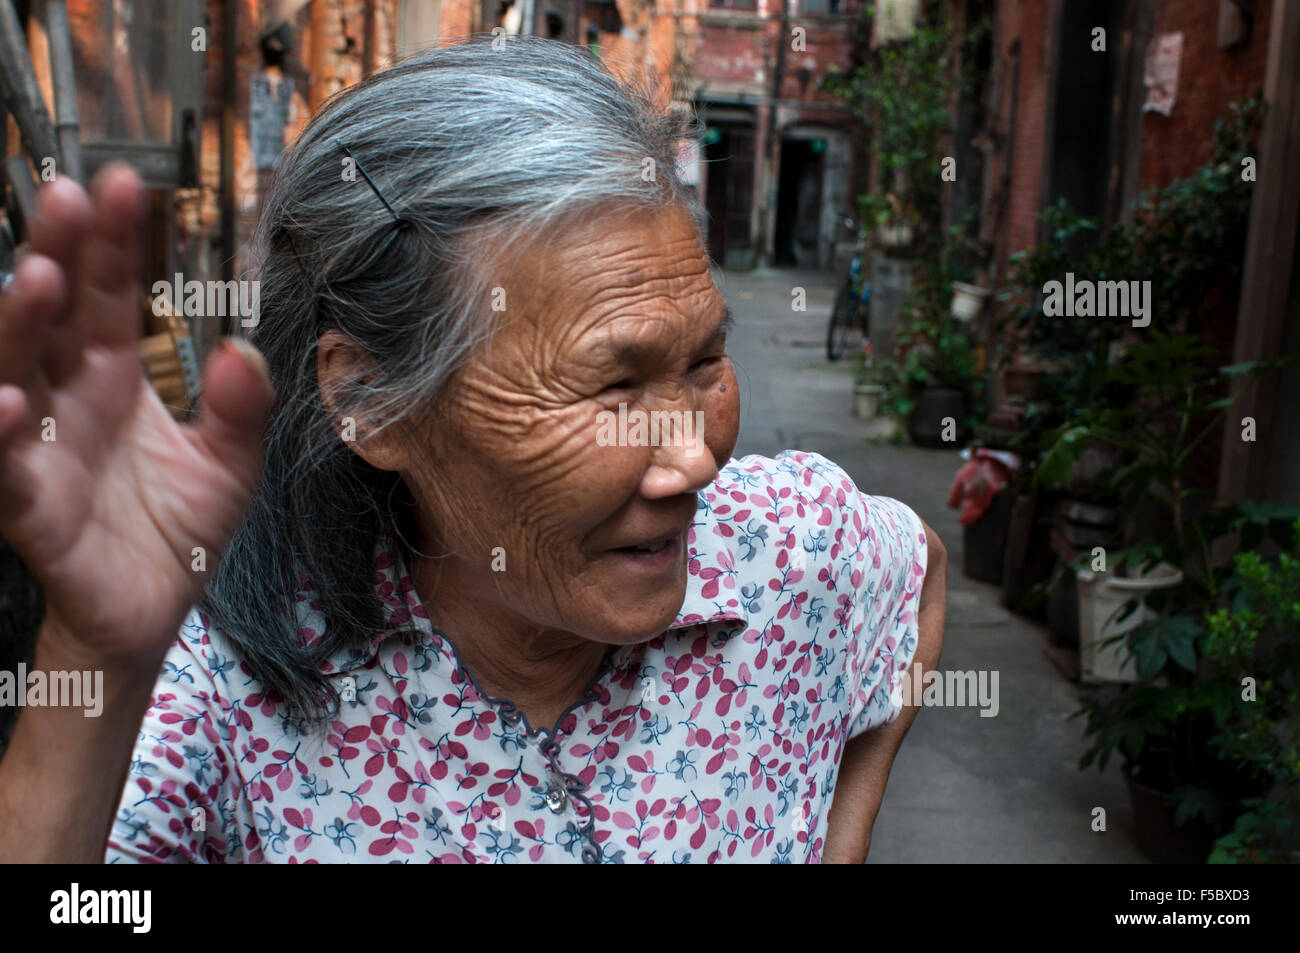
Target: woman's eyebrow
(724, 327)
(634, 352)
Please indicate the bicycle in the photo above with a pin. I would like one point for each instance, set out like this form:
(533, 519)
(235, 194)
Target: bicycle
(852, 301)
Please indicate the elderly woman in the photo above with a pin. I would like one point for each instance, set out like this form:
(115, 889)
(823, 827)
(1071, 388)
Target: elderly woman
(460, 617)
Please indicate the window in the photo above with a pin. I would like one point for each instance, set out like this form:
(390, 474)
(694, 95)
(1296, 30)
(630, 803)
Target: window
(139, 73)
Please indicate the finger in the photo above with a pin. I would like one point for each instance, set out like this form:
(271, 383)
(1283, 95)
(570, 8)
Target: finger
(237, 398)
(16, 483)
(28, 311)
(13, 420)
(110, 258)
(60, 224)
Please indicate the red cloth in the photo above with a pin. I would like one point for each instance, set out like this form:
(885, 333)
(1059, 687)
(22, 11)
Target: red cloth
(976, 484)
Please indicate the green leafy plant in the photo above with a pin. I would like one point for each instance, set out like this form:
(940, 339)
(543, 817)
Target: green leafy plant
(1256, 642)
(902, 94)
(1189, 726)
(933, 349)
(1185, 238)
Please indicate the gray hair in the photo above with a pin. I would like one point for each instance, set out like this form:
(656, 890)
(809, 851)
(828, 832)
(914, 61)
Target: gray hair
(479, 147)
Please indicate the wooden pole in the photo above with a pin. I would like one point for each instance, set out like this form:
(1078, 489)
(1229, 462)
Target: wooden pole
(369, 39)
(64, 81)
(1245, 470)
(19, 90)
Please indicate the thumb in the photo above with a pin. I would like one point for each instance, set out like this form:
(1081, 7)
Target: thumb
(237, 399)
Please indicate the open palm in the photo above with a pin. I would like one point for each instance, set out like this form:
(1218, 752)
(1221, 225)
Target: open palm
(110, 502)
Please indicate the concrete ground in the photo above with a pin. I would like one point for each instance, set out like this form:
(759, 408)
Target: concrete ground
(964, 788)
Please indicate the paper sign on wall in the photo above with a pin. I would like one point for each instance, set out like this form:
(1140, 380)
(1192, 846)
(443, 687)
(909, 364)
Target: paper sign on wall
(1161, 77)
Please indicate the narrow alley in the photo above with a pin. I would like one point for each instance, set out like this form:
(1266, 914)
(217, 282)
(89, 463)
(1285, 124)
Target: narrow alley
(964, 788)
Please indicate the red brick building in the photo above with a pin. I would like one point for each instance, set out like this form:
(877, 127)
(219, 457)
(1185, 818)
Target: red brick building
(1097, 127)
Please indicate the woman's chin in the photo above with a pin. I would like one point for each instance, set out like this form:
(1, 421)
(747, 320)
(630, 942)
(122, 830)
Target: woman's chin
(643, 592)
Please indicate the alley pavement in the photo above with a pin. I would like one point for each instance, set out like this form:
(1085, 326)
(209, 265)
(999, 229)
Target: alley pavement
(964, 788)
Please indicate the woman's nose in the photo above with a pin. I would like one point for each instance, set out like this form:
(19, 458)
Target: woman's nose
(681, 465)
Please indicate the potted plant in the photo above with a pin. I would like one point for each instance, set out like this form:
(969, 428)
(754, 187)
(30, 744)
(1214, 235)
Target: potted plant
(1260, 632)
(1207, 750)
(1166, 406)
(940, 384)
(868, 385)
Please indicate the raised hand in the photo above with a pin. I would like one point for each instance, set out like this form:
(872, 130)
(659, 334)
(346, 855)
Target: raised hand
(107, 499)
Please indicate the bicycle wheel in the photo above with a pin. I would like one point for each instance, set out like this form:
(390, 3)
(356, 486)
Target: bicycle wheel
(842, 315)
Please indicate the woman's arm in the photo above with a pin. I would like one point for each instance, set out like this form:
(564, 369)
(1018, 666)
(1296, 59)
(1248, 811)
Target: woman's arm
(63, 773)
(107, 499)
(864, 769)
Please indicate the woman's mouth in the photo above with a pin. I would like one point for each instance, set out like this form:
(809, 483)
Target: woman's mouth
(653, 556)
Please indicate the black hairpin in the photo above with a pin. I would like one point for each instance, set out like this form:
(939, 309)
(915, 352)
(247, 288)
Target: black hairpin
(398, 226)
(397, 219)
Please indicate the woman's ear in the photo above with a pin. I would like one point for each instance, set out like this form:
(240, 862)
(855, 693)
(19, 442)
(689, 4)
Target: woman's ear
(340, 364)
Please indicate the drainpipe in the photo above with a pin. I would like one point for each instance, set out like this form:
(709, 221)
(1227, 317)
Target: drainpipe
(773, 139)
(369, 41)
(226, 198)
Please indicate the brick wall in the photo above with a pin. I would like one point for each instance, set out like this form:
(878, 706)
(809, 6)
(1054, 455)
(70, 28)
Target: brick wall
(343, 26)
(1028, 22)
(1208, 80)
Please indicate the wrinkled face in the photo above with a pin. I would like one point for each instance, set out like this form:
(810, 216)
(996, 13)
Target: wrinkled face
(547, 488)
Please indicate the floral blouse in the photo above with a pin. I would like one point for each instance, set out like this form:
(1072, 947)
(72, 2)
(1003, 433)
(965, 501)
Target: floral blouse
(717, 740)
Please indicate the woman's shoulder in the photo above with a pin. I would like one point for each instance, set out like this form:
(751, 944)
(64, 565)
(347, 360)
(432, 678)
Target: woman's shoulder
(202, 680)
(793, 521)
(793, 468)
(796, 491)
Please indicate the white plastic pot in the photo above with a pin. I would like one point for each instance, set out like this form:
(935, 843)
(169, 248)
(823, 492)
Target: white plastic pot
(1102, 598)
(967, 301)
(894, 236)
(866, 400)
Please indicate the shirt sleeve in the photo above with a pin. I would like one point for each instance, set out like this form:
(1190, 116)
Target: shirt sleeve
(886, 624)
(179, 804)
(878, 562)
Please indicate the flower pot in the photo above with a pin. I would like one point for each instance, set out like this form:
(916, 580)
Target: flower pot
(1162, 841)
(1062, 609)
(1024, 381)
(1102, 597)
(1029, 558)
(928, 423)
(1086, 525)
(984, 541)
(866, 400)
(967, 301)
(894, 236)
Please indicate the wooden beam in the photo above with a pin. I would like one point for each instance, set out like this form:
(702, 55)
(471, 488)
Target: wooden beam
(19, 90)
(19, 176)
(1245, 471)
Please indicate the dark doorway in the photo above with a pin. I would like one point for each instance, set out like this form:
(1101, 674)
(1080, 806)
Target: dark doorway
(799, 203)
(1081, 126)
(729, 158)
